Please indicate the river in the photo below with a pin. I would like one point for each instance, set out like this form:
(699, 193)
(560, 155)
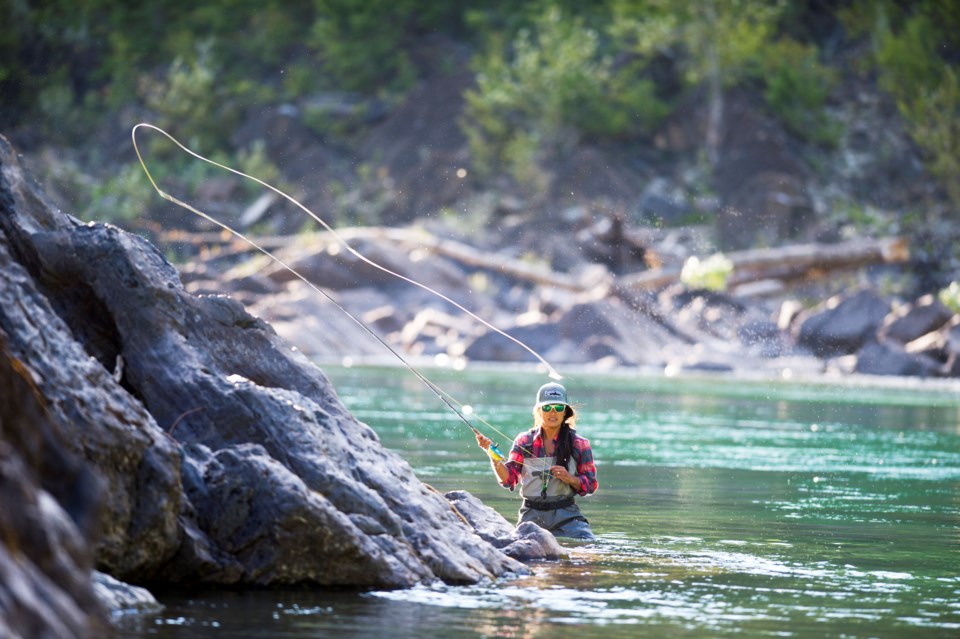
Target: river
(726, 508)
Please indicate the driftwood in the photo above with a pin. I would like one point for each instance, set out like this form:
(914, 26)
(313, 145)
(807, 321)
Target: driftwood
(229, 245)
(785, 265)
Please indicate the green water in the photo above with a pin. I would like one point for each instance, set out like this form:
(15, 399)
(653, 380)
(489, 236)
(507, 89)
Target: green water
(726, 508)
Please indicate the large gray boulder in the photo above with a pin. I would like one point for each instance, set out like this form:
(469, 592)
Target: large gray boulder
(915, 320)
(225, 455)
(844, 324)
(48, 504)
(890, 358)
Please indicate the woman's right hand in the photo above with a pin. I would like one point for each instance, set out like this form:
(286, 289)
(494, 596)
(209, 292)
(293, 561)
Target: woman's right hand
(483, 441)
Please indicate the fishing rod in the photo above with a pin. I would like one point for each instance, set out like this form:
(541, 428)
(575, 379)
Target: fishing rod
(445, 397)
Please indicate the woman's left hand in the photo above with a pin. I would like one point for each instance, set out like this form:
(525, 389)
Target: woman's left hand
(564, 475)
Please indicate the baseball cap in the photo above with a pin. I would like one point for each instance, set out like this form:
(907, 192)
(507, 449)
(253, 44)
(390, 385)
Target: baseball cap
(551, 393)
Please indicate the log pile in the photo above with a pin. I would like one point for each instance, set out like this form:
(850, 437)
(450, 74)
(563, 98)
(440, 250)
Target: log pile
(755, 271)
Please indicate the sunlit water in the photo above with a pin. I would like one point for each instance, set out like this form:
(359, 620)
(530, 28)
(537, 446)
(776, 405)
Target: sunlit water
(725, 509)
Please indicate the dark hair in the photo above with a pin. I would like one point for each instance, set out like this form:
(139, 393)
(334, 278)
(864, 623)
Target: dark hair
(564, 441)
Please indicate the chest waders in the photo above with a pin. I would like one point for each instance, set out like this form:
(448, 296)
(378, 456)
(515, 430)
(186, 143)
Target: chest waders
(549, 502)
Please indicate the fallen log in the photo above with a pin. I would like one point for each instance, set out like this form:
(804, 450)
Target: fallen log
(413, 238)
(787, 264)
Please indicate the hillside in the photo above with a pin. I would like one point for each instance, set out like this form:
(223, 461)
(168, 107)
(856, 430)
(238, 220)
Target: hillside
(523, 156)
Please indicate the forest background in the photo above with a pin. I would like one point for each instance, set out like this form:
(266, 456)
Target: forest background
(533, 85)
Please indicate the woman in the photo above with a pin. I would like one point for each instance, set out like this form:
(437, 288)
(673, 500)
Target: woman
(552, 464)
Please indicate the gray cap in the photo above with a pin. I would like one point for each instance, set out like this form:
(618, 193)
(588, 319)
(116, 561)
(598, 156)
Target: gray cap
(551, 393)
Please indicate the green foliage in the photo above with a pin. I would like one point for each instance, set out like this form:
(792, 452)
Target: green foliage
(712, 40)
(796, 90)
(365, 201)
(549, 72)
(712, 273)
(126, 195)
(189, 102)
(912, 67)
(359, 44)
(724, 43)
(58, 110)
(535, 98)
(97, 55)
(120, 198)
(934, 121)
(950, 296)
(254, 161)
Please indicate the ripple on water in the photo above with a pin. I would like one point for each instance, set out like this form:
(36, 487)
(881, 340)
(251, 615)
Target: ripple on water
(678, 580)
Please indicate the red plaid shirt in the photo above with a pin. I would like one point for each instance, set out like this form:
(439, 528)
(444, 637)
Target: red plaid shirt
(530, 444)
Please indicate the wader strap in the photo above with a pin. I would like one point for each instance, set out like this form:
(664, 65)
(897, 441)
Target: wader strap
(548, 505)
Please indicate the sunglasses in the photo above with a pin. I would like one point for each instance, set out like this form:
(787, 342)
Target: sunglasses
(551, 407)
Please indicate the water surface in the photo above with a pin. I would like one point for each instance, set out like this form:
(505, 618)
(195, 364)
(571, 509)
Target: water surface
(726, 508)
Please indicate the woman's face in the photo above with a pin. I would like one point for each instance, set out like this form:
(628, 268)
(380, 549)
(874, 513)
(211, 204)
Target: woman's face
(551, 417)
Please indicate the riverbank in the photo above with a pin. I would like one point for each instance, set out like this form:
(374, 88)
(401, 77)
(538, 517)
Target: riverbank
(372, 291)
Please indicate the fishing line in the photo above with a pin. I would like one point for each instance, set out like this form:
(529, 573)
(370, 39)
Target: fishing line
(445, 397)
(552, 373)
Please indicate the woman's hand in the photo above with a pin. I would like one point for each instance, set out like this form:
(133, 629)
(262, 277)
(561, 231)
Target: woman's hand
(483, 441)
(564, 475)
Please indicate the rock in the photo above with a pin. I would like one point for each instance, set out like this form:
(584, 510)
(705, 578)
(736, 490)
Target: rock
(843, 325)
(74, 365)
(942, 346)
(526, 542)
(587, 320)
(491, 346)
(886, 358)
(123, 598)
(915, 320)
(193, 412)
(709, 367)
(713, 312)
(600, 327)
(49, 503)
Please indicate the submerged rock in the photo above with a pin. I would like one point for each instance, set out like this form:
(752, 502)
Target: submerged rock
(225, 456)
(122, 598)
(526, 542)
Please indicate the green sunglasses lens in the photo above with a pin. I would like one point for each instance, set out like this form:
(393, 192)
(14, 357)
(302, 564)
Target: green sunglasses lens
(551, 407)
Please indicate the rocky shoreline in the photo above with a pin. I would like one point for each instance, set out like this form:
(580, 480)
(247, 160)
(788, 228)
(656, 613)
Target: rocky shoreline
(671, 329)
(167, 438)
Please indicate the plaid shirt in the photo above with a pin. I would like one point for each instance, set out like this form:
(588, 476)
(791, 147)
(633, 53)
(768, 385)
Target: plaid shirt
(530, 444)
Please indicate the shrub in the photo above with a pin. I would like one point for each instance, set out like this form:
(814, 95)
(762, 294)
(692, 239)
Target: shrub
(712, 273)
(361, 44)
(796, 89)
(190, 101)
(536, 97)
(950, 296)
(933, 117)
(913, 65)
